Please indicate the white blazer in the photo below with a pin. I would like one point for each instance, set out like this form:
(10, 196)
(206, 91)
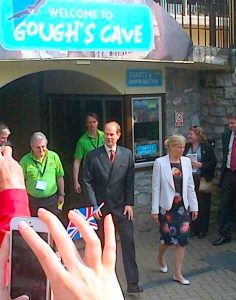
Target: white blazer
(163, 188)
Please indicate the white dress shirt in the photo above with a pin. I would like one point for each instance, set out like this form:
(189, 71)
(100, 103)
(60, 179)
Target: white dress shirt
(109, 149)
(230, 150)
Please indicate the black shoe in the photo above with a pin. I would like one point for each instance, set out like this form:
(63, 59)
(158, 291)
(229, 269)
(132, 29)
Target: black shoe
(221, 241)
(134, 288)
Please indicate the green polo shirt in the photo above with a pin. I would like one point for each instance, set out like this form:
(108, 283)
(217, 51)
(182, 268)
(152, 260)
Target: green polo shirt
(47, 171)
(87, 143)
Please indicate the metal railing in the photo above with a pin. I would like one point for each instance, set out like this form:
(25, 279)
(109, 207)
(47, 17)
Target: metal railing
(208, 22)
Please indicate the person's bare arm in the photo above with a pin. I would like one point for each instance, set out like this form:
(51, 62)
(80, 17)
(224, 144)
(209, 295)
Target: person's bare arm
(61, 190)
(76, 167)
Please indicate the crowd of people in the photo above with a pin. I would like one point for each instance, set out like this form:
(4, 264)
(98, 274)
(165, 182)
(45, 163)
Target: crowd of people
(181, 201)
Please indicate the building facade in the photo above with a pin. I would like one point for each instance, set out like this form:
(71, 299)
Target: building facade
(177, 83)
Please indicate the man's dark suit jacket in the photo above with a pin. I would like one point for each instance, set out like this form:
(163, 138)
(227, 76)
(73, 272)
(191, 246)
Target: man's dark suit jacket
(225, 149)
(208, 160)
(110, 183)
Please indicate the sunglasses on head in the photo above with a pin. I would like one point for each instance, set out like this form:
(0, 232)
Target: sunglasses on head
(194, 127)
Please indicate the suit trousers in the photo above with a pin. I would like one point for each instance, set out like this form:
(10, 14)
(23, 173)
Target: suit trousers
(228, 194)
(201, 224)
(124, 228)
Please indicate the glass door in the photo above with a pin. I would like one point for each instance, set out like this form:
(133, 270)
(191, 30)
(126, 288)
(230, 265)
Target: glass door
(147, 129)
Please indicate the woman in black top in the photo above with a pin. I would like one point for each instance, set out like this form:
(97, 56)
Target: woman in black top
(203, 167)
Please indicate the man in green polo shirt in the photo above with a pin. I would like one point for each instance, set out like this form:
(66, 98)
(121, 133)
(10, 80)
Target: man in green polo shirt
(43, 173)
(90, 140)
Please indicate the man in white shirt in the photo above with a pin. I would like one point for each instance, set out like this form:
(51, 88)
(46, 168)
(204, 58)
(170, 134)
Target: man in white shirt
(109, 179)
(227, 181)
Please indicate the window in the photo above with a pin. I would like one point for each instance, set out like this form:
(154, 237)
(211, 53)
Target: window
(147, 129)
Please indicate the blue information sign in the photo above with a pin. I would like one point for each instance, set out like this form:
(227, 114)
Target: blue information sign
(143, 78)
(146, 149)
(75, 25)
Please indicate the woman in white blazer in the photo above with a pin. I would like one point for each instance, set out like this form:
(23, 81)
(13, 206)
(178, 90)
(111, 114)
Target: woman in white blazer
(174, 203)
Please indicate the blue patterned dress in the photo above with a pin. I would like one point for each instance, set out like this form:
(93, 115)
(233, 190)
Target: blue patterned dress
(174, 223)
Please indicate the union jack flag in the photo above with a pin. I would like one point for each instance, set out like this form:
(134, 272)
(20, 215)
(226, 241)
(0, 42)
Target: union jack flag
(88, 214)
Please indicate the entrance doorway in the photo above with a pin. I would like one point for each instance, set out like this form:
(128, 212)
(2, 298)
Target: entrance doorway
(66, 123)
(38, 102)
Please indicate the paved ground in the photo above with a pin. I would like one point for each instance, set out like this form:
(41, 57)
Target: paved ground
(211, 270)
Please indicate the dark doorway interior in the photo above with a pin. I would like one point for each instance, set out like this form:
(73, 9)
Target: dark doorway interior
(66, 123)
(28, 106)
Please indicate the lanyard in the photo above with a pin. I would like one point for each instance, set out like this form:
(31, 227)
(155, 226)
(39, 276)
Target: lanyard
(41, 172)
(94, 146)
(195, 149)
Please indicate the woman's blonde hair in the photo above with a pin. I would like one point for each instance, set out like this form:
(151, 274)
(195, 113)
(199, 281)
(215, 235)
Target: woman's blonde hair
(199, 132)
(175, 139)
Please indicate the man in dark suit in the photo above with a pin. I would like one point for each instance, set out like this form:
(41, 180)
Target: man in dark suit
(227, 181)
(109, 178)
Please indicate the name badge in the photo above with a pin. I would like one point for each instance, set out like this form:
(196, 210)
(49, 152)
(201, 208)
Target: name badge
(41, 185)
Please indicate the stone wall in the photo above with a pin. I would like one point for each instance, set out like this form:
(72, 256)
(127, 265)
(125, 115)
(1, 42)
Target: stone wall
(218, 99)
(205, 98)
(183, 95)
(211, 55)
(142, 194)
(143, 187)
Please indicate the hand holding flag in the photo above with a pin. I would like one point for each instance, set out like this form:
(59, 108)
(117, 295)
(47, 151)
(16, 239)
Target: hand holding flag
(88, 214)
